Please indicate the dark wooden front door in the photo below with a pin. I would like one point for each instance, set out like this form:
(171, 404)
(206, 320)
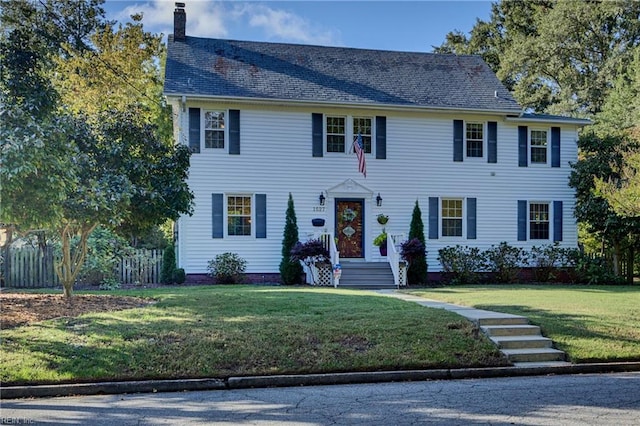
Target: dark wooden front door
(350, 227)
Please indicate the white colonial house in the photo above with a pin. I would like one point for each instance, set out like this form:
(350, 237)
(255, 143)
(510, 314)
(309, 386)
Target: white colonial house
(264, 120)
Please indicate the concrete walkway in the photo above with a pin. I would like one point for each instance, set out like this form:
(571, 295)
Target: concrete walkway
(521, 342)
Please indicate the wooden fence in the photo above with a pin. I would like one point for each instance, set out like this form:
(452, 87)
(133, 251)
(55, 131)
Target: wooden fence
(30, 267)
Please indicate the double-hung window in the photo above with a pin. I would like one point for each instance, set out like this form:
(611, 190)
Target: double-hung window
(214, 125)
(539, 146)
(539, 221)
(474, 136)
(362, 126)
(451, 217)
(336, 134)
(238, 215)
(341, 132)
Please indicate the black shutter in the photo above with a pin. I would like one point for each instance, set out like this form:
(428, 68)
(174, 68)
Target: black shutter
(557, 221)
(217, 215)
(194, 129)
(555, 147)
(317, 135)
(523, 146)
(471, 218)
(261, 215)
(458, 139)
(381, 138)
(234, 132)
(492, 142)
(433, 218)
(522, 220)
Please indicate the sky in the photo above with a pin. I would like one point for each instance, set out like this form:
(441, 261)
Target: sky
(414, 26)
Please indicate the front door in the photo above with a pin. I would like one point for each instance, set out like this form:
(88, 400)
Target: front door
(350, 227)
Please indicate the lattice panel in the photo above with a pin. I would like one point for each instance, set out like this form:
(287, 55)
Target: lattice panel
(402, 278)
(324, 274)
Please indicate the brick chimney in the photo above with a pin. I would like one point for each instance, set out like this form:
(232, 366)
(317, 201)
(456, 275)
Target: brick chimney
(179, 23)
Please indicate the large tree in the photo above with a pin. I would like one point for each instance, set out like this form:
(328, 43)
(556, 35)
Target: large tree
(557, 56)
(66, 168)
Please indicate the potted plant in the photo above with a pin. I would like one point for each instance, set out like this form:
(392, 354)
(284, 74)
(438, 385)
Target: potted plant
(381, 242)
(383, 219)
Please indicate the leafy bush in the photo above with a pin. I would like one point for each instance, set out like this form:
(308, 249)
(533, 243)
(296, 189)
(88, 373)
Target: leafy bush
(310, 252)
(590, 270)
(104, 250)
(505, 262)
(546, 261)
(179, 276)
(461, 264)
(227, 268)
(412, 249)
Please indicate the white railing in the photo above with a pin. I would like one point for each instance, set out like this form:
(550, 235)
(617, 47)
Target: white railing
(330, 244)
(393, 255)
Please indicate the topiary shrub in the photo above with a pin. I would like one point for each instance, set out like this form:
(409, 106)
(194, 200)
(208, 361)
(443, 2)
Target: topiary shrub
(290, 270)
(168, 265)
(461, 265)
(505, 262)
(227, 268)
(417, 272)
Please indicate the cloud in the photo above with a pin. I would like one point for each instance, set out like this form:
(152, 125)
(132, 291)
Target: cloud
(204, 18)
(284, 25)
(214, 18)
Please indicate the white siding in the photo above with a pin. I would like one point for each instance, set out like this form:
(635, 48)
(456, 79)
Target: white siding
(276, 159)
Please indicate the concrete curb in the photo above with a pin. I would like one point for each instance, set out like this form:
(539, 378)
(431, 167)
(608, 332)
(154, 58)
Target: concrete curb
(152, 386)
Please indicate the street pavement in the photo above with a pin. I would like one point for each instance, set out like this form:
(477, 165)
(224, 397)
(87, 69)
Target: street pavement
(589, 399)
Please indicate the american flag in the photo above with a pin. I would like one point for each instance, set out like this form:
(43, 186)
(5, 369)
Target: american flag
(358, 148)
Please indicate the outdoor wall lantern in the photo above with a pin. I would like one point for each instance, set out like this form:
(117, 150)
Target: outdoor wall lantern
(322, 199)
(378, 200)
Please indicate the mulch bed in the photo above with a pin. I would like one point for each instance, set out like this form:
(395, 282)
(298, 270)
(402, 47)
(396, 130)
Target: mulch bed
(18, 309)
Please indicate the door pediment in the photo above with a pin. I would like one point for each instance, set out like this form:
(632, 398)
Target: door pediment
(349, 189)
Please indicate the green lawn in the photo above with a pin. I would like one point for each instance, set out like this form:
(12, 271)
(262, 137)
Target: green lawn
(242, 330)
(590, 323)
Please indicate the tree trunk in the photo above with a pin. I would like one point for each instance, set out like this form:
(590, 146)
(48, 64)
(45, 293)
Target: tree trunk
(616, 259)
(631, 257)
(72, 259)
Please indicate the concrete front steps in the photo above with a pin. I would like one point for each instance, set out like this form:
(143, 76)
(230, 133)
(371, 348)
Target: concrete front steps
(366, 275)
(522, 343)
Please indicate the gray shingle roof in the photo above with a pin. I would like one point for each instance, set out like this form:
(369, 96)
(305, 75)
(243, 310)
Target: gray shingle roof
(245, 69)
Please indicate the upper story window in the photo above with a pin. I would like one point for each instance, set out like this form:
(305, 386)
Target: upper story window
(539, 144)
(451, 217)
(539, 221)
(474, 136)
(362, 126)
(336, 133)
(238, 215)
(214, 124)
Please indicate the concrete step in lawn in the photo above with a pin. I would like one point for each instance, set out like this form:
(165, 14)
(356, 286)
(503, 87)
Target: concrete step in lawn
(521, 342)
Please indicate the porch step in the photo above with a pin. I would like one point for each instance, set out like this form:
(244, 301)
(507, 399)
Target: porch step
(521, 342)
(511, 330)
(534, 355)
(366, 275)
